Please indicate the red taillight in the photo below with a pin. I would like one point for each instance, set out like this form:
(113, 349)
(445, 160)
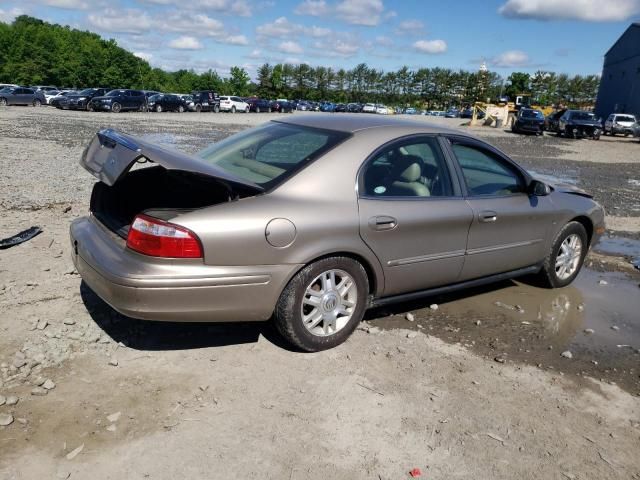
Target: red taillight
(158, 238)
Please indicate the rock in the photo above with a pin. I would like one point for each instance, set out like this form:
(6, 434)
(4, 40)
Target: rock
(580, 307)
(615, 327)
(519, 309)
(478, 322)
(500, 359)
(566, 354)
(22, 421)
(409, 316)
(75, 335)
(433, 306)
(412, 334)
(603, 282)
(113, 362)
(38, 381)
(12, 400)
(373, 330)
(111, 428)
(114, 417)
(19, 360)
(3, 400)
(63, 475)
(42, 324)
(48, 384)
(74, 453)
(5, 419)
(589, 331)
(69, 321)
(39, 392)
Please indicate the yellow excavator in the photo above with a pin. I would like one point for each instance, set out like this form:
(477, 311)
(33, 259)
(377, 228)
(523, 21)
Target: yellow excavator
(523, 100)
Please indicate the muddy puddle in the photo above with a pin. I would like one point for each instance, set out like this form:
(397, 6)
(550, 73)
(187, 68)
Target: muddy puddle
(596, 319)
(619, 246)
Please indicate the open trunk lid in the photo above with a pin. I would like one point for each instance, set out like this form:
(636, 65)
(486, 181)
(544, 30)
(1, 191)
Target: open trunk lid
(111, 154)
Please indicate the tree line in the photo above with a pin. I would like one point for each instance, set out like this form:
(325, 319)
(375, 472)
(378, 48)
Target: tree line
(35, 52)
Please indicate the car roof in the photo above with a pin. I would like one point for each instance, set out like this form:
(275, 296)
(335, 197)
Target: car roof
(351, 123)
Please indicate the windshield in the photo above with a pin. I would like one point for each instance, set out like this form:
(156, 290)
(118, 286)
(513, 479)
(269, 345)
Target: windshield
(532, 114)
(155, 98)
(625, 118)
(583, 116)
(87, 91)
(267, 155)
(115, 93)
(7, 90)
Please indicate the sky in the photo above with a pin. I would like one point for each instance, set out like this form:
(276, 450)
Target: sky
(565, 36)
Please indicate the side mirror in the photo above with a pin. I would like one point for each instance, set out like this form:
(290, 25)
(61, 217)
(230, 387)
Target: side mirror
(538, 188)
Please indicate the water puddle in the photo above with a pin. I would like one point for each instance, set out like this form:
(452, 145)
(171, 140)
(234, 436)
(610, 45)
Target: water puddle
(596, 319)
(620, 246)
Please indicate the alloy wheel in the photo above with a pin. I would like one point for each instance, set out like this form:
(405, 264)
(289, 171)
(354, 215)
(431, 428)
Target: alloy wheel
(328, 303)
(568, 258)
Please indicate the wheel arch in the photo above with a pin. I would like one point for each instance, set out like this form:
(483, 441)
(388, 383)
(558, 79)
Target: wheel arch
(587, 224)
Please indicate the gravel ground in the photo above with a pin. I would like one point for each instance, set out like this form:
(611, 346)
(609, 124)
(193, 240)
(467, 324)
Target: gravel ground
(474, 389)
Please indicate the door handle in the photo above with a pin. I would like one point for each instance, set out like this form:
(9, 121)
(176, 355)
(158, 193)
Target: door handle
(487, 216)
(382, 222)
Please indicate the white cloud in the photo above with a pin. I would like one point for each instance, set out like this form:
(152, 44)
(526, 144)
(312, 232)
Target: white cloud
(255, 54)
(66, 4)
(360, 12)
(235, 40)
(319, 31)
(126, 20)
(511, 58)
(233, 7)
(355, 12)
(384, 41)
(280, 27)
(186, 43)
(430, 46)
(144, 55)
(314, 8)
(290, 47)
(8, 16)
(586, 10)
(410, 27)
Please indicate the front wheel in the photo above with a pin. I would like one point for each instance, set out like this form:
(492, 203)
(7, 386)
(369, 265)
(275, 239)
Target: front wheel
(3, 102)
(233, 109)
(116, 107)
(323, 304)
(246, 110)
(566, 257)
(159, 108)
(216, 109)
(180, 109)
(37, 102)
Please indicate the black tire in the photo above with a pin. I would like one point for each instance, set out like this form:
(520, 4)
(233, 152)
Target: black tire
(216, 109)
(180, 109)
(159, 108)
(3, 102)
(269, 110)
(288, 312)
(37, 102)
(257, 109)
(116, 107)
(568, 133)
(548, 274)
(233, 109)
(246, 110)
(198, 108)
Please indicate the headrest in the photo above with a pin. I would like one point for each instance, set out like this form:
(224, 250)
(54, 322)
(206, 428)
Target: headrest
(407, 168)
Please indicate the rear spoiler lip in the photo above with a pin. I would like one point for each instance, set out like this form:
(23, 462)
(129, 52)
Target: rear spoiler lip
(111, 154)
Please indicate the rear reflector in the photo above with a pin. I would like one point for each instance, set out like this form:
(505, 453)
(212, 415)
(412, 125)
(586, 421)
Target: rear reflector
(158, 238)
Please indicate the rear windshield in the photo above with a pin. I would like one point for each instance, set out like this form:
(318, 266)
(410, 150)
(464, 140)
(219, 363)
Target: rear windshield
(87, 91)
(115, 93)
(532, 114)
(583, 116)
(269, 154)
(625, 118)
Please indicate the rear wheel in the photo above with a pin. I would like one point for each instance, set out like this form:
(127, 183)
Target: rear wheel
(3, 102)
(564, 261)
(116, 107)
(233, 109)
(198, 108)
(159, 108)
(216, 108)
(37, 102)
(323, 304)
(257, 109)
(180, 109)
(246, 110)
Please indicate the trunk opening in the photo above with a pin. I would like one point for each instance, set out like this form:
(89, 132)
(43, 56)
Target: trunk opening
(157, 192)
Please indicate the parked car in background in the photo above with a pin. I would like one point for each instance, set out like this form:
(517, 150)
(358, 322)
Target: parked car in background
(576, 124)
(340, 107)
(5, 85)
(282, 106)
(44, 88)
(303, 106)
(233, 232)
(410, 111)
(81, 100)
(49, 94)
(619, 123)
(528, 120)
(166, 102)
(382, 110)
(258, 105)
(369, 108)
(206, 101)
(120, 100)
(327, 107)
(188, 100)
(233, 104)
(21, 96)
(452, 113)
(354, 108)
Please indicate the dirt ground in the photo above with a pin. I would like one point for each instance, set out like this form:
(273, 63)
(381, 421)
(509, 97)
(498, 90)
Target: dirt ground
(476, 388)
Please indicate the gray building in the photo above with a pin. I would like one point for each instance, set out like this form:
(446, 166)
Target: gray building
(620, 83)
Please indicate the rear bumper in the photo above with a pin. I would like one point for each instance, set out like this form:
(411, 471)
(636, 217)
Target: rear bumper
(169, 290)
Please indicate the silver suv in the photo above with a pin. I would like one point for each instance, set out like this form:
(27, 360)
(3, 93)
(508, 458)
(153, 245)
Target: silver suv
(619, 123)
